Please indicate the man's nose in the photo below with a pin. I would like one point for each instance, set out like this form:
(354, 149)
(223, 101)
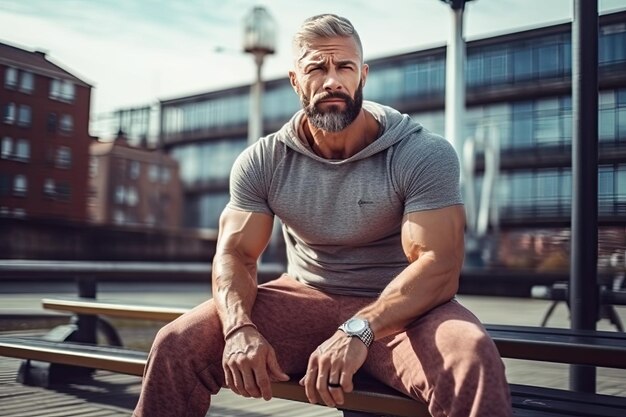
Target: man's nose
(332, 81)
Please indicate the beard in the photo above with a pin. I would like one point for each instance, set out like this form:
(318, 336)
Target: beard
(333, 120)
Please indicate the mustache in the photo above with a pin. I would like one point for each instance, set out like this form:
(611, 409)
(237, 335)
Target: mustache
(335, 94)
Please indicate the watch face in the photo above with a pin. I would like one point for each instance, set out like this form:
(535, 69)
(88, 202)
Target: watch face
(355, 325)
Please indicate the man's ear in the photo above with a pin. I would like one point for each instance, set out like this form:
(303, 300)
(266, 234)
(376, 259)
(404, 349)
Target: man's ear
(364, 71)
(294, 82)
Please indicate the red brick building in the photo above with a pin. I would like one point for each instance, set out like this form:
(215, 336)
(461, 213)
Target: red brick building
(44, 138)
(134, 186)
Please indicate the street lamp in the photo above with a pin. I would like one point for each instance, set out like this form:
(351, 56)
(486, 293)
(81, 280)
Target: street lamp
(259, 39)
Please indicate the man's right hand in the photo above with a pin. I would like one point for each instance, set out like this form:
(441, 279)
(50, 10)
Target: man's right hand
(250, 364)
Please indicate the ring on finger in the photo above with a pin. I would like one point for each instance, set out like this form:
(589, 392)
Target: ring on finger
(333, 385)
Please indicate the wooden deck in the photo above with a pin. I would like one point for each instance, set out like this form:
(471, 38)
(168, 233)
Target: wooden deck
(115, 395)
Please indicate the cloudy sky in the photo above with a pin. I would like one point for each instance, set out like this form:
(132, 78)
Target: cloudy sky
(135, 52)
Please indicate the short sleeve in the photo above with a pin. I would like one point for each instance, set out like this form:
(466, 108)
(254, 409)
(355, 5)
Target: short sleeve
(249, 183)
(427, 173)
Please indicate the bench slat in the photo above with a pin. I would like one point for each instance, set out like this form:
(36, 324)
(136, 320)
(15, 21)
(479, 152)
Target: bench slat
(123, 361)
(114, 309)
(369, 396)
(366, 396)
(517, 342)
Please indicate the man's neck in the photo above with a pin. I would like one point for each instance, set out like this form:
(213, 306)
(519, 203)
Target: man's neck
(343, 144)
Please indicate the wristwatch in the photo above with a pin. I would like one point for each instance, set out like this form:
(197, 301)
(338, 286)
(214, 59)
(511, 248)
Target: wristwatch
(356, 327)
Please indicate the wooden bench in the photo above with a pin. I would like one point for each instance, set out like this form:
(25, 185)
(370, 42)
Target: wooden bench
(519, 342)
(596, 348)
(369, 396)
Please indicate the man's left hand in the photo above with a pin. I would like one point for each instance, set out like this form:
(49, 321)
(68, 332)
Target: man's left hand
(331, 368)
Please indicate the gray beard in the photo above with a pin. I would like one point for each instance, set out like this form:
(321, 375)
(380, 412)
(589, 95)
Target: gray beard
(334, 120)
(331, 121)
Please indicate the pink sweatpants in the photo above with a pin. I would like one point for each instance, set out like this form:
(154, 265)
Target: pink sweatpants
(445, 358)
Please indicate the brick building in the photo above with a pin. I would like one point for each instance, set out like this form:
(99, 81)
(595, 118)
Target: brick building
(44, 137)
(134, 186)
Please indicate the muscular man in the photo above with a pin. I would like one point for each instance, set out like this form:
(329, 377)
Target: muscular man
(373, 222)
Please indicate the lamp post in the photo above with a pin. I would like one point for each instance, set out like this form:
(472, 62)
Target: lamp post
(455, 77)
(259, 39)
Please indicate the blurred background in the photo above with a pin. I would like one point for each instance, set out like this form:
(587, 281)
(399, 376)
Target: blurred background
(121, 120)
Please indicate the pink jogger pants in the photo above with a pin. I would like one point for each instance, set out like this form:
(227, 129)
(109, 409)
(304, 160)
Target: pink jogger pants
(445, 358)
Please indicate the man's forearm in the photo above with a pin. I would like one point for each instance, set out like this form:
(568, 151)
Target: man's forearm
(421, 286)
(234, 290)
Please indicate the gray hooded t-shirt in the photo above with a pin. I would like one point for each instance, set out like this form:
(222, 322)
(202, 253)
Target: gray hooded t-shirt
(341, 219)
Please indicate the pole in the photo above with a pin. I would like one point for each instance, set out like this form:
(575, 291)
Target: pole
(255, 121)
(583, 294)
(455, 82)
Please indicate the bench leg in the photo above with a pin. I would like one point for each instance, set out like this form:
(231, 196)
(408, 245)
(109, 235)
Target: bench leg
(548, 314)
(44, 374)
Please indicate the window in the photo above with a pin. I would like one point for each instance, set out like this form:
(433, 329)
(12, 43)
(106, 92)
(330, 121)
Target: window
(5, 184)
(8, 115)
(120, 194)
(24, 115)
(166, 175)
(67, 124)
(22, 151)
(153, 173)
(20, 185)
(132, 198)
(63, 158)
(134, 169)
(67, 91)
(62, 90)
(63, 191)
(27, 82)
(10, 78)
(49, 188)
(7, 148)
(52, 122)
(17, 150)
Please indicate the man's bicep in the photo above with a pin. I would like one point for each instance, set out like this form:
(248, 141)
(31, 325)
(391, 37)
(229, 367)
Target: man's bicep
(437, 233)
(244, 233)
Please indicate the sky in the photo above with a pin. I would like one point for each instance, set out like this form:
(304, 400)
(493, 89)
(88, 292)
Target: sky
(136, 52)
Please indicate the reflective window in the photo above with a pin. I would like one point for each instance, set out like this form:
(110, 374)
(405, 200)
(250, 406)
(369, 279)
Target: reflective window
(20, 185)
(279, 104)
(24, 115)
(200, 162)
(8, 113)
(66, 124)
(204, 211)
(63, 157)
(386, 84)
(22, 150)
(62, 90)
(612, 44)
(134, 170)
(27, 82)
(6, 149)
(425, 76)
(10, 77)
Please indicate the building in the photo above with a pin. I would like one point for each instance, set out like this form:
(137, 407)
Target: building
(133, 186)
(44, 137)
(518, 91)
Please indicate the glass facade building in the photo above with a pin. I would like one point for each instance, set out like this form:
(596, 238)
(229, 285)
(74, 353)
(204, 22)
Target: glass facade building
(518, 85)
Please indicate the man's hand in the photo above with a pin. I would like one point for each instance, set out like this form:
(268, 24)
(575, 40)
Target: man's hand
(250, 364)
(331, 368)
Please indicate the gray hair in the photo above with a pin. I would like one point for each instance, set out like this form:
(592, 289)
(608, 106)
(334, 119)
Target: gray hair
(324, 26)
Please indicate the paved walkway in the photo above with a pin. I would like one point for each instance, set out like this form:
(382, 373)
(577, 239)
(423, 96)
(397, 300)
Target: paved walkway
(494, 310)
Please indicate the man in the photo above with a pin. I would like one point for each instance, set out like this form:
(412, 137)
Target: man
(373, 223)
